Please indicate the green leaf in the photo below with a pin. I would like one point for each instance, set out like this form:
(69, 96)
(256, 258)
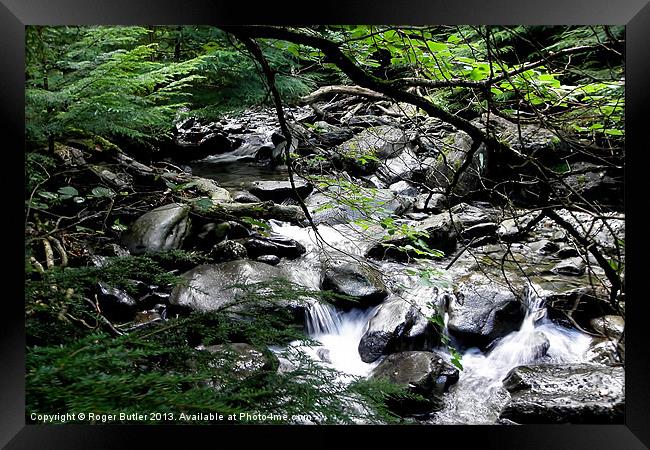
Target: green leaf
(437, 46)
(256, 222)
(204, 204)
(68, 192)
(102, 192)
(117, 226)
(48, 195)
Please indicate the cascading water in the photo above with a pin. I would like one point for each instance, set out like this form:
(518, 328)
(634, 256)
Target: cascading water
(479, 395)
(338, 332)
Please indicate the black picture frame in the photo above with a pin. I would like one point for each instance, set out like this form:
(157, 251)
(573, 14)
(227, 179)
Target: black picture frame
(635, 14)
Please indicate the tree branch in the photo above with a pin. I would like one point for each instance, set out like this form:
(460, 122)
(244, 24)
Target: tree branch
(359, 76)
(340, 89)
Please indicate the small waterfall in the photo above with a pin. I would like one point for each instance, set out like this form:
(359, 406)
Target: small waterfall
(478, 395)
(323, 319)
(338, 332)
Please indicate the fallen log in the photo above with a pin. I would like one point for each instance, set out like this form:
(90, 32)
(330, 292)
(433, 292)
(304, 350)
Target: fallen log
(340, 89)
(260, 210)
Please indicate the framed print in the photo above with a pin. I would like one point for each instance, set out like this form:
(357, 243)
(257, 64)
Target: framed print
(247, 221)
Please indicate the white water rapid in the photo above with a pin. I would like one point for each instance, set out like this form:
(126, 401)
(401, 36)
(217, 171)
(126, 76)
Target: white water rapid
(478, 395)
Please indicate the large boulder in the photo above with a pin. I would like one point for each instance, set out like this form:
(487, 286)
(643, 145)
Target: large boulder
(401, 167)
(355, 279)
(572, 266)
(278, 191)
(592, 182)
(439, 232)
(361, 155)
(163, 228)
(404, 188)
(483, 310)
(427, 374)
(527, 139)
(430, 202)
(470, 215)
(329, 135)
(565, 393)
(453, 155)
(610, 326)
(333, 206)
(214, 287)
(398, 325)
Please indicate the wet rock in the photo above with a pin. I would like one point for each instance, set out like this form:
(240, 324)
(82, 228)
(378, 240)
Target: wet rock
(569, 295)
(398, 325)
(228, 251)
(212, 189)
(360, 155)
(513, 228)
(272, 260)
(470, 215)
(213, 233)
(544, 246)
(163, 228)
(567, 252)
(324, 355)
(245, 197)
(115, 303)
(355, 279)
(195, 140)
(278, 191)
(329, 135)
(569, 393)
(404, 188)
(480, 230)
(610, 326)
(440, 235)
(538, 344)
(330, 208)
(274, 245)
(572, 266)
(254, 145)
(215, 286)
(425, 373)
(242, 360)
(483, 310)
(604, 351)
(454, 153)
(437, 203)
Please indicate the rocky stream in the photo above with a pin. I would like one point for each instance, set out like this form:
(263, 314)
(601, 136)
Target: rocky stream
(524, 308)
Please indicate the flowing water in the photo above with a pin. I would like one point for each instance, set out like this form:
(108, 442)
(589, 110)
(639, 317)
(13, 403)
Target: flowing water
(478, 396)
(233, 175)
